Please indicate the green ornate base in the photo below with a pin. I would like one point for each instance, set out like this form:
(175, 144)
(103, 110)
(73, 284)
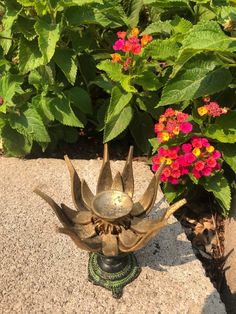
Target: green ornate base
(113, 273)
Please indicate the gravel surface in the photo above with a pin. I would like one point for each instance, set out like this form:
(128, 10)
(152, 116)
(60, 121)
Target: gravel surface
(43, 272)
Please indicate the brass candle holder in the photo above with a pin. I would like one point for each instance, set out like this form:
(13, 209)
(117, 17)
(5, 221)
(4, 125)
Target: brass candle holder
(110, 225)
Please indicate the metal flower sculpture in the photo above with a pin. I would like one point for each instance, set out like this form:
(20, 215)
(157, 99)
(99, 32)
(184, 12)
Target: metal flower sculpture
(110, 224)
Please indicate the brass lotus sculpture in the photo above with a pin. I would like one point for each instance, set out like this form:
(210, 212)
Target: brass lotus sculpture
(110, 223)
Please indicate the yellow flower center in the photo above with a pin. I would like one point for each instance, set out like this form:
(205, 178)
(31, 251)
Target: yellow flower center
(210, 149)
(135, 31)
(202, 110)
(196, 152)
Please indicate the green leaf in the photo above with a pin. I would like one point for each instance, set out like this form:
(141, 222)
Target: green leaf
(162, 49)
(199, 77)
(172, 192)
(25, 26)
(229, 152)
(62, 112)
(49, 35)
(29, 55)
(204, 36)
(224, 128)
(117, 124)
(159, 27)
(42, 76)
(141, 128)
(118, 101)
(9, 86)
(87, 68)
(154, 143)
(41, 103)
(167, 3)
(114, 72)
(66, 60)
(29, 124)
(15, 144)
(7, 21)
(69, 3)
(111, 16)
(70, 134)
(219, 186)
(80, 98)
(208, 36)
(135, 9)
(148, 80)
(148, 102)
(181, 25)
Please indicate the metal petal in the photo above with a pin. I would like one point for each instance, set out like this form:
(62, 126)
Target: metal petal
(91, 245)
(87, 195)
(69, 212)
(152, 227)
(159, 224)
(117, 183)
(85, 231)
(127, 174)
(105, 175)
(75, 185)
(109, 244)
(81, 218)
(145, 204)
(128, 238)
(61, 215)
(142, 225)
(173, 208)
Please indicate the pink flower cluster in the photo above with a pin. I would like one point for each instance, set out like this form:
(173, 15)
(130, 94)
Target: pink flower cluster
(197, 157)
(130, 44)
(211, 108)
(171, 123)
(133, 43)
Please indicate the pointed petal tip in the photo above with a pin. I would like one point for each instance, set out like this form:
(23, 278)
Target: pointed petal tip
(173, 208)
(105, 153)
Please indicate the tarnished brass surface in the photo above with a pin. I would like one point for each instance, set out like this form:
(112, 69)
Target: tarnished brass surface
(109, 222)
(111, 205)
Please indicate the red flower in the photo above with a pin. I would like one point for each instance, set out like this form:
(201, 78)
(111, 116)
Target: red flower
(196, 174)
(182, 117)
(197, 142)
(166, 172)
(186, 127)
(176, 174)
(136, 49)
(199, 165)
(211, 162)
(119, 44)
(121, 35)
(169, 112)
(133, 40)
(186, 148)
(127, 46)
(207, 171)
(175, 165)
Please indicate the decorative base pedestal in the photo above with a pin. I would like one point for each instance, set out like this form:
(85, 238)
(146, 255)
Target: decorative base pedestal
(113, 273)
